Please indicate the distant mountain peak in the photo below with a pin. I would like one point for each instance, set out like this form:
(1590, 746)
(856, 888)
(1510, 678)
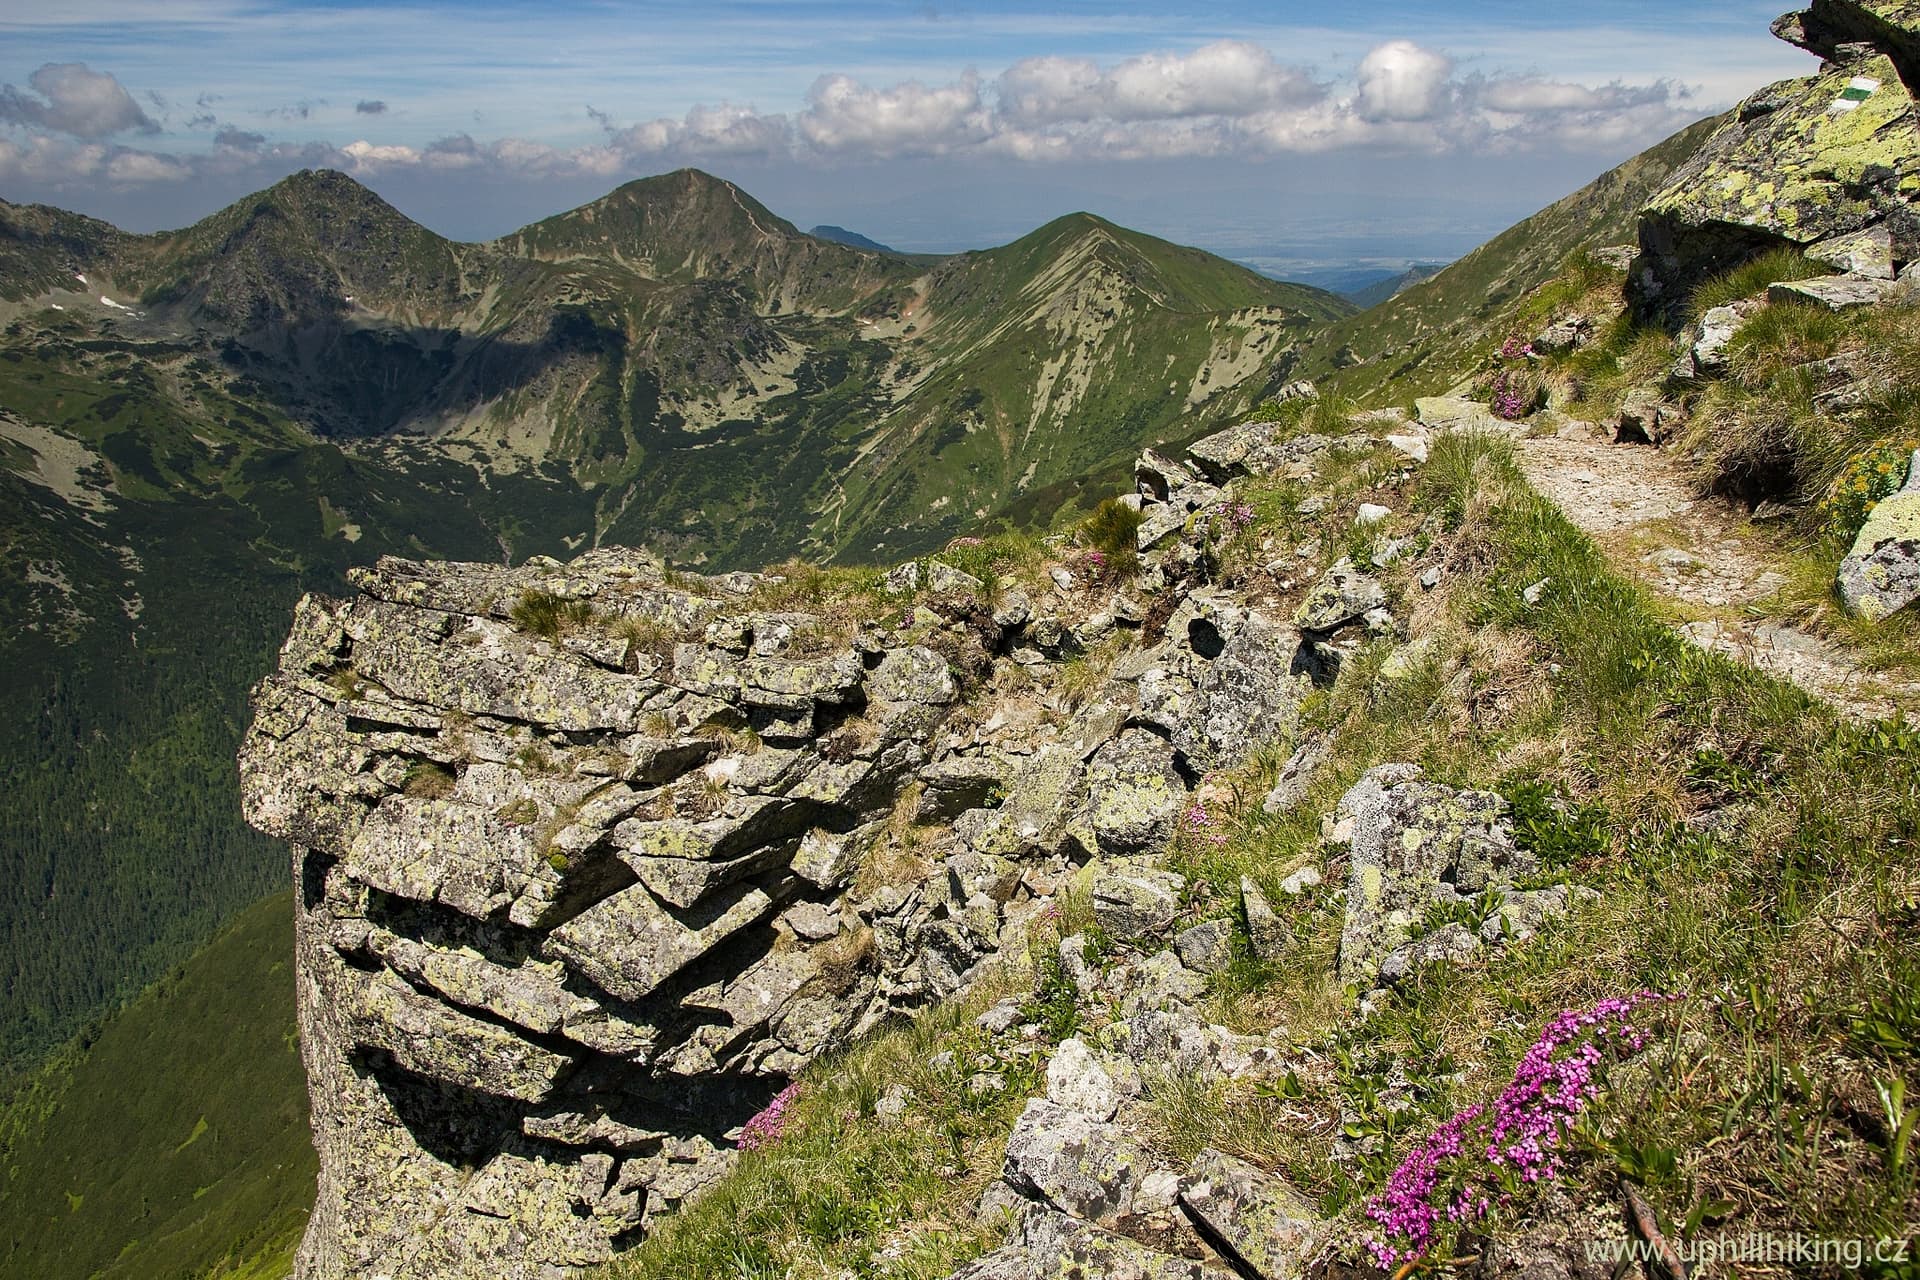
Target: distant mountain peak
(852, 239)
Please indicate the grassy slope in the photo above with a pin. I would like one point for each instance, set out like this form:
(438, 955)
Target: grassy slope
(175, 1145)
(1748, 850)
(1422, 341)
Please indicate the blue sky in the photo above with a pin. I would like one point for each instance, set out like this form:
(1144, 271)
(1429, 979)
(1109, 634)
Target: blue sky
(1289, 132)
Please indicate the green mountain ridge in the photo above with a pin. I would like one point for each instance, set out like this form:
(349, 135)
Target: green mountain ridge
(197, 426)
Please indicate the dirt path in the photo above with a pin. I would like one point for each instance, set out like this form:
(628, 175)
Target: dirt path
(1703, 556)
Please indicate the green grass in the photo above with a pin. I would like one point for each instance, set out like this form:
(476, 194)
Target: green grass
(1751, 278)
(171, 1144)
(1438, 332)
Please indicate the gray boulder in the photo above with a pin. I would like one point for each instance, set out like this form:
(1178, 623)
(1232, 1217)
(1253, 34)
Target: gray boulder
(1258, 1223)
(1881, 572)
(1074, 1163)
(1077, 1081)
(1061, 1248)
(1266, 931)
(1343, 595)
(1413, 844)
(1207, 947)
(1134, 793)
(1135, 902)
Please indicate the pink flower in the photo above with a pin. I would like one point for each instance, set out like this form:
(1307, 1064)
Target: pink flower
(1454, 1173)
(767, 1127)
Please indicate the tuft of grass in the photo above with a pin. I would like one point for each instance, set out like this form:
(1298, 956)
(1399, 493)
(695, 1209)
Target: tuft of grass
(542, 613)
(1112, 530)
(428, 780)
(645, 636)
(1752, 277)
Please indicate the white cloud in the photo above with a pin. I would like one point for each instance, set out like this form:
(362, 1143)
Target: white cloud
(372, 156)
(908, 119)
(1228, 77)
(1399, 80)
(1229, 98)
(76, 100)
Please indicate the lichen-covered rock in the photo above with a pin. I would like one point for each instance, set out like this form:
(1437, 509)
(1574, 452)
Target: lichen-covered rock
(1259, 1223)
(1074, 1163)
(1077, 1081)
(1207, 947)
(1266, 931)
(1343, 595)
(1881, 572)
(1133, 793)
(1835, 293)
(1411, 845)
(567, 916)
(1060, 1247)
(1802, 163)
(1135, 902)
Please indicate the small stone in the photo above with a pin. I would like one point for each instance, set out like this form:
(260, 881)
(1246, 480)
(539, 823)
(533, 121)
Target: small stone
(1297, 774)
(903, 580)
(1451, 943)
(1266, 931)
(1062, 577)
(1371, 513)
(1014, 611)
(1343, 595)
(999, 1019)
(1300, 881)
(892, 1107)
(1077, 1081)
(1533, 593)
(947, 580)
(1207, 947)
(1414, 447)
(1135, 903)
(1835, 293)
(812, 921)
(982, 1083)
(1430, 578)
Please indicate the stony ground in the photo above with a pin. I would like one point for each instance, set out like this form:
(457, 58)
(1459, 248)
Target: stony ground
(1708, 560)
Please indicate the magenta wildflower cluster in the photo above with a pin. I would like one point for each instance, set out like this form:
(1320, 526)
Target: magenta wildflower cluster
(1507, 402)
(1477, 1159)
(1508, 399)
(770, 1122)
(1200, 823)
(1236, 516)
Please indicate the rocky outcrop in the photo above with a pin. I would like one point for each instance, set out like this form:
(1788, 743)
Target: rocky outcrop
(594, 857)
(1828, 164)
(1433, 875)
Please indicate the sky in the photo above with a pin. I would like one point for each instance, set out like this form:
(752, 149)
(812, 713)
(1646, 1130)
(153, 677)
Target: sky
(1294, 135)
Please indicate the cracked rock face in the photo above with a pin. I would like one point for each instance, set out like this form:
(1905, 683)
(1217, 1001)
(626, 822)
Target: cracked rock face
(1830, 163)
(572, 907)
(576, 902)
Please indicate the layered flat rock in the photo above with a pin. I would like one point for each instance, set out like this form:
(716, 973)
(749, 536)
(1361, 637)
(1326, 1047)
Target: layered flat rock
(630, 943)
